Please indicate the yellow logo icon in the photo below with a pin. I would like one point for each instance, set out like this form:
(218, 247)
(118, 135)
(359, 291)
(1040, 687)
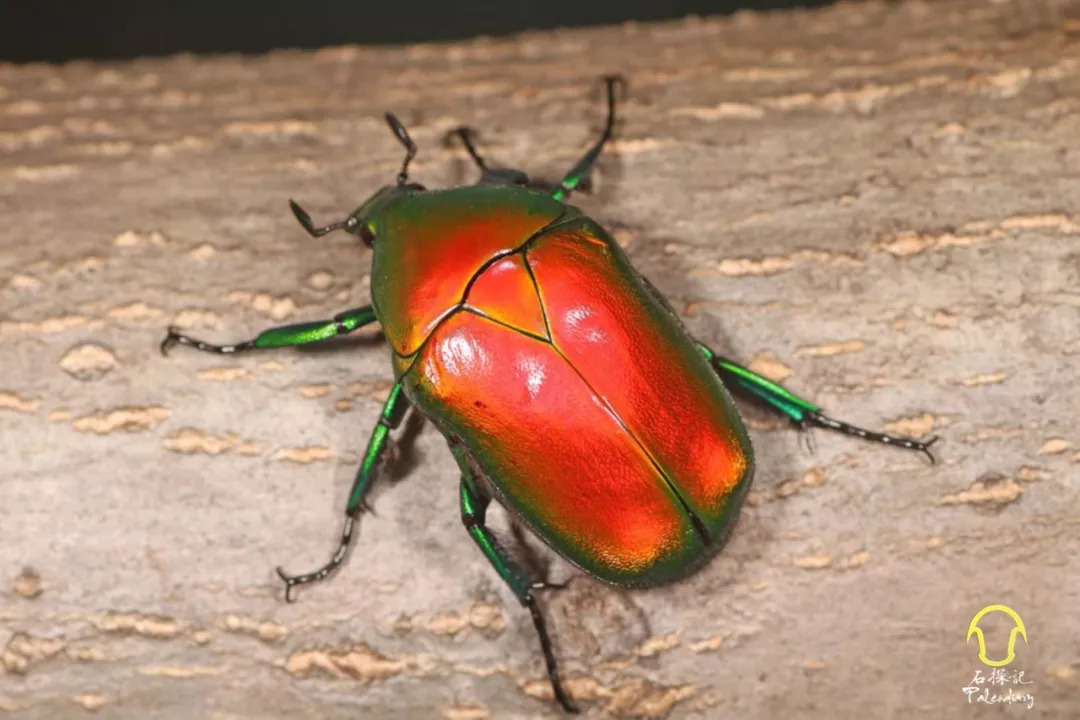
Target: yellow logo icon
(974, 629)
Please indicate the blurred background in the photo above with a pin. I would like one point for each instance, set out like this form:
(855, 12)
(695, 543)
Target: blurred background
(61, 30)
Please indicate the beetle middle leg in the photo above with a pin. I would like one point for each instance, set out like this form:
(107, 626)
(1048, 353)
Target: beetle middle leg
(799, 411)
(474, 504)
(392, 413)
(283, 336)
(580, 172)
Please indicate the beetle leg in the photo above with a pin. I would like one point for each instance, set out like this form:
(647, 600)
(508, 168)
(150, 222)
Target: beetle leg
(580, 172)
(392, 413)
(474, 506)
(490, 175)
(283, 336)
(799, 411)
(305, 221)
(467, 134)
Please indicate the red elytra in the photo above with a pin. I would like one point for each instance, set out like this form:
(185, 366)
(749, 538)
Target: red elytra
(524, 334)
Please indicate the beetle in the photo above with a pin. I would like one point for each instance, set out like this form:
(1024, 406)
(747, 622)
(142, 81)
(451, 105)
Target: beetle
(566, 386)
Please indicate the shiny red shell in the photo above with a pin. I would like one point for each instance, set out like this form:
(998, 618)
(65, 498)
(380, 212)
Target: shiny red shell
(521, 330)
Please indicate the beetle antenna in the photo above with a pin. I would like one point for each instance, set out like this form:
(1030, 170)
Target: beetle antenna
(410, 147)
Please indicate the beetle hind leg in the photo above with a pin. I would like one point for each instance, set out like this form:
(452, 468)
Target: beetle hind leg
(391, 416)
(579, 174)
(474, 506)
(799, 411)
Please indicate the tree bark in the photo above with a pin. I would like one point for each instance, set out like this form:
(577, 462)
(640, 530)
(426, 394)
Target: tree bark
(875, 203)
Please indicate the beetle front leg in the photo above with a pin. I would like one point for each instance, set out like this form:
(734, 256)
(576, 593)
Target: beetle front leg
(799, 411)
(283, 336)
(474, 506)
(580, 172)
(467, 134)
(392, 413)
(493, 176)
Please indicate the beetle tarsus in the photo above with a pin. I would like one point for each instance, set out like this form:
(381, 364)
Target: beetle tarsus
(305, 221)
(410, 147)
(490, 175)
(549, 656)
(289, 582)
(169, 341)
(926, 448)
(466, 134)
(173, 338)
(292, 581)
(322, 573)
(825, 421)
(302, 216)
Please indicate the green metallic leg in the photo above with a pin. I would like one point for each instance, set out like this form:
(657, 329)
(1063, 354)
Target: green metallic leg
(392, 413)
(284, 336)
(580, 172)
(799, 411)
(474, 506)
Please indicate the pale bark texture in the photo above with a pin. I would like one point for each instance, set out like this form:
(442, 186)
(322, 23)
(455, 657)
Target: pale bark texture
(877, 203)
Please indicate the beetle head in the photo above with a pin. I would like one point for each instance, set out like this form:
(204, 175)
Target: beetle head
(358, 223)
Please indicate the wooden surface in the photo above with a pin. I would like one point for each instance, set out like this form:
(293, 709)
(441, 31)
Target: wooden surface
(876, 202)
